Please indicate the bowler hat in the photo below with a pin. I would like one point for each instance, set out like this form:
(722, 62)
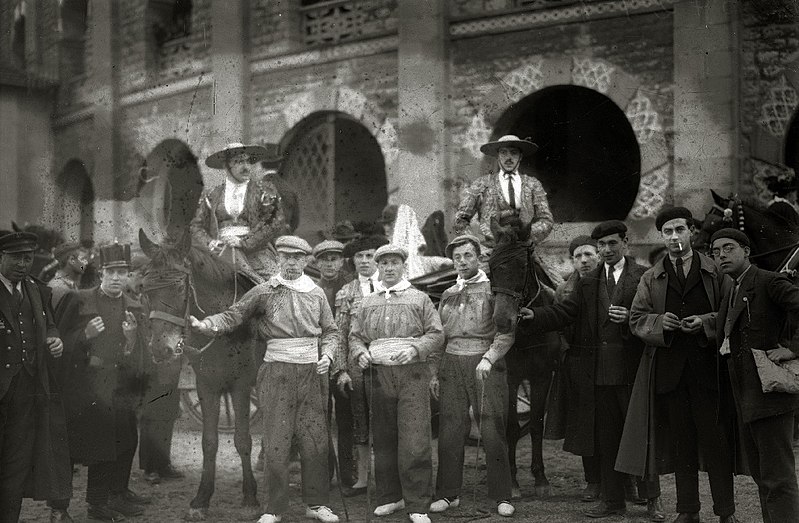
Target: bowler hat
(218, 159)
(526, 146)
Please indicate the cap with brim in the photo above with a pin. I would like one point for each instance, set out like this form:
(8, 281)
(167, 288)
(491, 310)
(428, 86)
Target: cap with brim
(344, 231)
(579, 242)
(732, 234)
(18, 242)
(509, 140)
(327, 246)
(672, 213)
(292, 245)
(217, 160)
(607, 228)
(115, 256)
(462, 240)
(386, 250)
(364, 243)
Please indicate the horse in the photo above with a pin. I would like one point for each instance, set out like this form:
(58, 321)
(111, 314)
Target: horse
(182, 280)
(518, 281)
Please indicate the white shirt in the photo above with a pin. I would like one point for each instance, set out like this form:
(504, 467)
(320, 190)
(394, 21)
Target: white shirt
(517, 187)
(368, 283)
(617, 269)
(234, 196)
(686, 262)
(10, 286)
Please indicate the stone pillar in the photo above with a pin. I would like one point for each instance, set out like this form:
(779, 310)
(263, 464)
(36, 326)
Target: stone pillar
(10, 168)
(229, 62)
(705, 102)
(422, 86)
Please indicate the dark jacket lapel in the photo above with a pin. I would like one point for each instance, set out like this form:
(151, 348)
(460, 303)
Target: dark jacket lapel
(745, 295)
(5, 308)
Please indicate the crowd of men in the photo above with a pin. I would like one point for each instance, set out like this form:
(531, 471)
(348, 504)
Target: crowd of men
(659, 367)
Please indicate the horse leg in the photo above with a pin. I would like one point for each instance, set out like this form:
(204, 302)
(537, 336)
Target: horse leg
(539, 388)
(243, 442)
(209, 401)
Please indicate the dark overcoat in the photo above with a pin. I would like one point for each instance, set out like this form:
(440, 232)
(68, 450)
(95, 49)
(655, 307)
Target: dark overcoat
(52, 471)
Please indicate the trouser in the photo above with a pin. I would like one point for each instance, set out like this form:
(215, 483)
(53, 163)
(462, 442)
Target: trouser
(360, 407)
(592, 469)
(400, 407)
(344, 432)
(694, 427)
(460, 389)
(294, 398)
(161, 410)
(17, 435)
(611, 402)
(105, 478)
(768, 444)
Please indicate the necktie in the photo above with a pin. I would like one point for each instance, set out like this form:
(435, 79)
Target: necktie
(371, 286)
(679, 270)
(611, 282)
(511, 192)
(17, 296)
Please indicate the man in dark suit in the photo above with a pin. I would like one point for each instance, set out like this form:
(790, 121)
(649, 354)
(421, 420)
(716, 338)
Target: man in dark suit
(752, 315)
(674, 313)
(34, 459)
(604, 358)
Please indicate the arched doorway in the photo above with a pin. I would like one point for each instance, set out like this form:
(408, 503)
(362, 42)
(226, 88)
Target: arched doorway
(589, 160)
(74, 209)
(336, 167)
(170, 185)
(792, 144)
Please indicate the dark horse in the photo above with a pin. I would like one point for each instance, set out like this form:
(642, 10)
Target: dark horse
(518, 281)
(181, 280)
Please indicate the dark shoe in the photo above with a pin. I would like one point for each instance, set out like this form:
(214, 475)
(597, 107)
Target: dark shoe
(171, 472)
(132, 497)
(631, 493)
(350, 492)
(603, 510)
(654, 509)
(60, 516)
(729, 519)
(104, 513)
(590, 493)
(153, 478)
(687, 517)
(125, 507)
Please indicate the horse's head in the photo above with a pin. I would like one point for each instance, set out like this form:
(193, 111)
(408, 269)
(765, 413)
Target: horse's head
(167, 285)
(510, 265)
(719, 216)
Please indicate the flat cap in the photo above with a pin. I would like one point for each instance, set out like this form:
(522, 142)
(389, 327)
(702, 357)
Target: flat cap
(18, 242)
(732, 234)
(579, 242)
(607, 228)
(672, 213)
(292, 245)
(391, 249)
(461, 240)
(327, 246)
(364, 243)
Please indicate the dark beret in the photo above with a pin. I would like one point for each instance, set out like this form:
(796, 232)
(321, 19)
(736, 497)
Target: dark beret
(579, 242)
(732, 234)
(18, 242)
(364, 243)
(672, 213)
(607, 228)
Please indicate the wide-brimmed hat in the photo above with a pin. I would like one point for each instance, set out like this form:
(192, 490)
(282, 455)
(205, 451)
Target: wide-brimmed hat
(115, 255)
(526, 146)
(255, 152)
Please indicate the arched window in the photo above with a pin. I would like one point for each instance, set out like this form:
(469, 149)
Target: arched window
(74, 14)
(75, 207)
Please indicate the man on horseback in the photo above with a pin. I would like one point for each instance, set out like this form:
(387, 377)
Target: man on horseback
(291, 312)
(242, 217)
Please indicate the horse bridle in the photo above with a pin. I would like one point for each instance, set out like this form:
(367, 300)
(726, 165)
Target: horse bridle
(519, 296)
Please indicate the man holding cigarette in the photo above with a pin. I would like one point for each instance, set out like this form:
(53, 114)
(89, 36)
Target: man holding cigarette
(674, 313)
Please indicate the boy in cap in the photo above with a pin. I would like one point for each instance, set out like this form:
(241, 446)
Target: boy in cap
(753, 313)
(72, 259)
(291, 312)
(394, 332)
(329, 260)
(472, 372)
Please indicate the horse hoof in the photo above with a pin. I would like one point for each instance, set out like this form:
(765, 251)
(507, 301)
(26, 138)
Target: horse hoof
(543, 491)
(196, 514)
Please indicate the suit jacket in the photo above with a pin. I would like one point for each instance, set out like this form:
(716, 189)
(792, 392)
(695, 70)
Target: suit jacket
(754, 322)
(588, 357)
(484, 197)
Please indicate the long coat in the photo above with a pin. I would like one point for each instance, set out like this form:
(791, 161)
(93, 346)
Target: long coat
(581, 309)
(756, 319)
(645, 448)
(52, 471)
(95, 392)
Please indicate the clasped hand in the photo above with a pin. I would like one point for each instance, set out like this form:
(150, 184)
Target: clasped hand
(688, 325)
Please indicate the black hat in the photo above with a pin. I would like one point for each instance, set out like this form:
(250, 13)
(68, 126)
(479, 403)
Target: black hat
(732, 234)
(672, 213)
(364, 243)
(609, 227)
(579, 242)
(115, 255)
(463, 239)
(18, 242)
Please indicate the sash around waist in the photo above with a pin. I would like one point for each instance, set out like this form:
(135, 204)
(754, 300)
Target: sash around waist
(383, 349)
(292, 350)
(233, 231)
(468, 346)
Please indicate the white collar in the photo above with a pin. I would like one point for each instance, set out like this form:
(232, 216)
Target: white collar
(618, 266)
(480, 277)
(513, 174)
(400, 286)
(365, 279)
(685, 257)
(302, 284)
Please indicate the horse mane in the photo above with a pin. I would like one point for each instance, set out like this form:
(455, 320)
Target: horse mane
(210, 267)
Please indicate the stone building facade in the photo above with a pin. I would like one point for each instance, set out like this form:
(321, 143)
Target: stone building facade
(636, 103)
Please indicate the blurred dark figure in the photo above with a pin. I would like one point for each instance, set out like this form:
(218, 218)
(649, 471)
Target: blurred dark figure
(434, 235)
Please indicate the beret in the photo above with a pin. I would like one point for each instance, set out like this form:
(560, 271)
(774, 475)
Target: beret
(579, 242)
(460, 240)
(607, 228)
(391, 249)
(18, 242)
(327, 246)
(672, 213)
(292, 245)
(364, 243)
(732, 234)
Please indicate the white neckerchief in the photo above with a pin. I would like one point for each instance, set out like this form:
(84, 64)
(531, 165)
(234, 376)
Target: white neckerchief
(302, 284)
(480, 277)
(365, 280)
(517, 186)
(234, 196)
(400, 286)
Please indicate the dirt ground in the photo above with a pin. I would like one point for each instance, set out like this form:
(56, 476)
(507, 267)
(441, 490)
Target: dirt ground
(171, 499)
